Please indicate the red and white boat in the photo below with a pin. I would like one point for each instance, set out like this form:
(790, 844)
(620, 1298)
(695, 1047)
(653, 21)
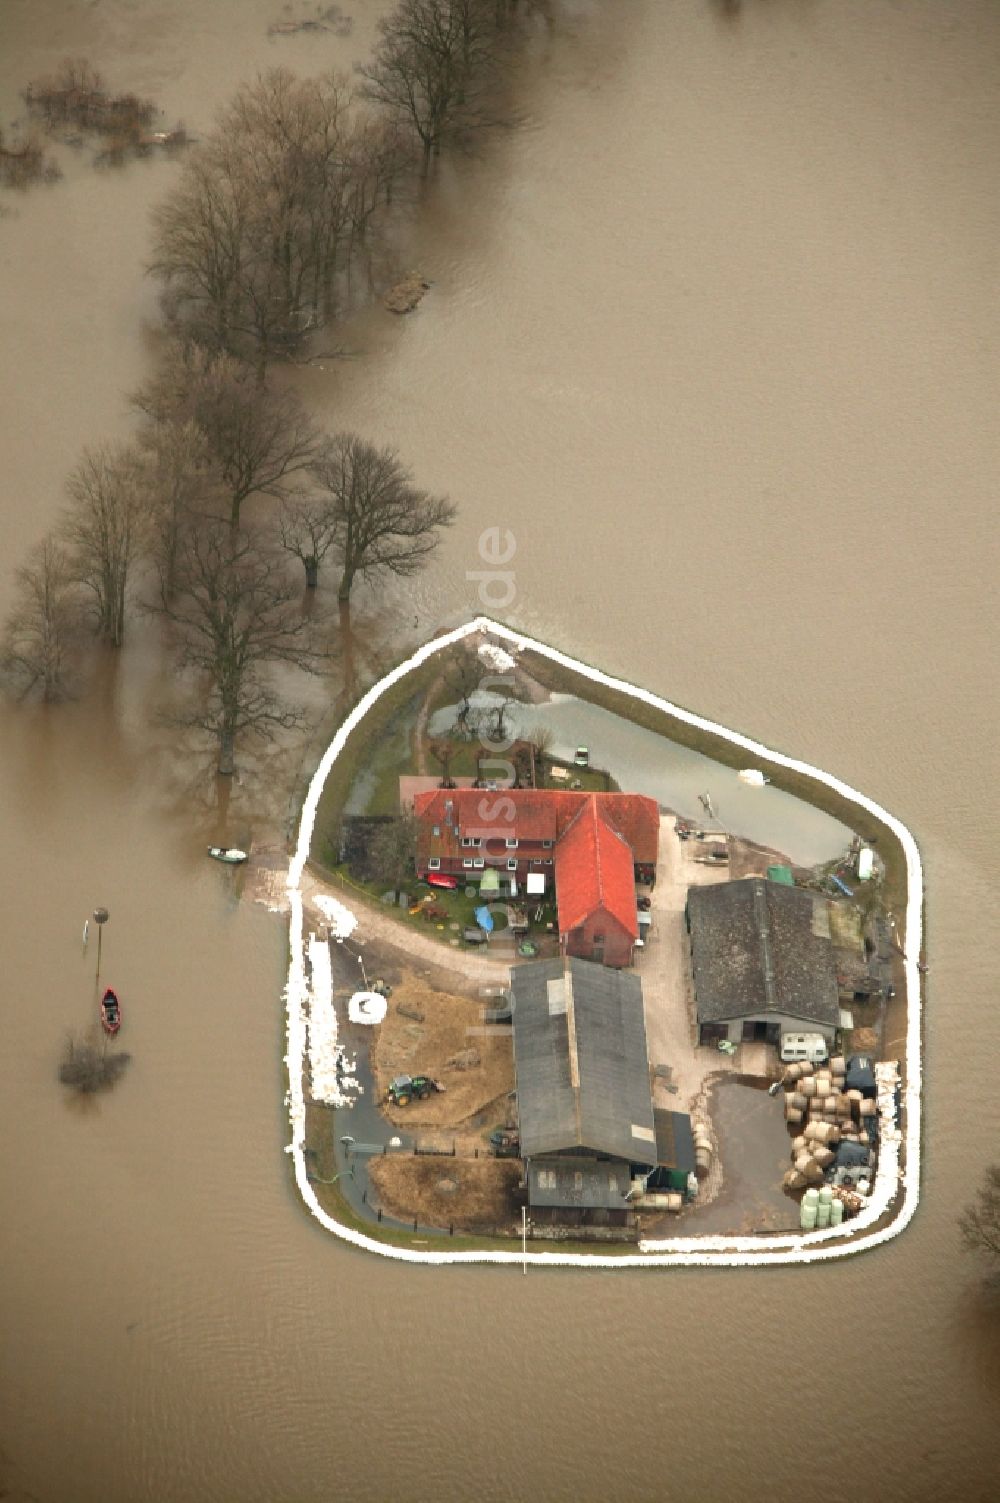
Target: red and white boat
(111, 1013)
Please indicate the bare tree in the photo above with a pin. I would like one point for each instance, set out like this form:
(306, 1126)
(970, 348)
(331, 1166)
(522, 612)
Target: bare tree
(104, 526)
(491, 720)
(179, 486)
(87, 1067)
(391, 850)
(267, 212)
(980, 1222)
(41, 630)
(256, 438)
(541, 739)
(383, 522)
(236, 612)
(430, 61)
(307, 529)
(443, 750)
(463, 678)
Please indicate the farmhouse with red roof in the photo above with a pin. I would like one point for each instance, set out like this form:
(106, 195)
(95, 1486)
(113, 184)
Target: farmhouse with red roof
(594, 847)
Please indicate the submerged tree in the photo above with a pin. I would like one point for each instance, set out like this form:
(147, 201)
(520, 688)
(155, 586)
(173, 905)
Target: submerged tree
(384, 524)
(307, 529)
(236, 613)
(980, 1222)
(255, 438)
(41, 630)
(103, 527)
(267, 213)
(88, 1067)
(180, 485)
(430, 64)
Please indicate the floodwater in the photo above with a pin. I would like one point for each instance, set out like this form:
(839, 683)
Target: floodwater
(713, 333)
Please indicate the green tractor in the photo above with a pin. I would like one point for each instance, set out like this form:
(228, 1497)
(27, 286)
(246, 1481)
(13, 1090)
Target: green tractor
(404, 1088)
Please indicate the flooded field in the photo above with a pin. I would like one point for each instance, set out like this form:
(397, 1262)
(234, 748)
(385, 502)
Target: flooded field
(711, 331)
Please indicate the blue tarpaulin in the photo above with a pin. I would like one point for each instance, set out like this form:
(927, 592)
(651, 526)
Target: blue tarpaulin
(484, 919)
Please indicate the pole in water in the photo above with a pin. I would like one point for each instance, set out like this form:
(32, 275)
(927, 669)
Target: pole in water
(86, 932)
(524, 1239)
(101, 916)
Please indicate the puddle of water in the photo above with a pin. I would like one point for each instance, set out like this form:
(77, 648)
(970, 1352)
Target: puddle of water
(641, 761)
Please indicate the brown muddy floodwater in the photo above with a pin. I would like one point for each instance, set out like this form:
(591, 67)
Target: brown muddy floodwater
(713, 332)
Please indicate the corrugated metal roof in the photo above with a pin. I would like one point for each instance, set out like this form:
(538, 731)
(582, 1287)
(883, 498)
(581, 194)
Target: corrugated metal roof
(579, 1182)
(580, 1060)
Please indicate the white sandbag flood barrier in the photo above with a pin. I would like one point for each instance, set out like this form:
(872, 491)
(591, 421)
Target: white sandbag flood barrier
(312, 1028)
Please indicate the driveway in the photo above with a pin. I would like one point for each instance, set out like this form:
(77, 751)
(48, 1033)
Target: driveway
(664, 966)
(377, 925)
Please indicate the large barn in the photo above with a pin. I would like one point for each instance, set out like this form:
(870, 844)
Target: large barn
(585, 1112)
(763, 962)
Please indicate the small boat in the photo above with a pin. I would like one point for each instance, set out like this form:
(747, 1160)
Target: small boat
(111, 1013)
(231, 854)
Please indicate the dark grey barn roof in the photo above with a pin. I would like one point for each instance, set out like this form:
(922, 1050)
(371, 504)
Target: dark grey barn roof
(674, 1140)
(759, 947)
(579, 1182)
(580, 1060)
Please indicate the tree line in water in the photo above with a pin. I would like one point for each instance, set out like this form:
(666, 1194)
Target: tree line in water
(227, 480)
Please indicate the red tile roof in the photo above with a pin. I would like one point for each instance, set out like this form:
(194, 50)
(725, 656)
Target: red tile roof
(597, 839)
(594, 872)
(535, 814)
(637, 820)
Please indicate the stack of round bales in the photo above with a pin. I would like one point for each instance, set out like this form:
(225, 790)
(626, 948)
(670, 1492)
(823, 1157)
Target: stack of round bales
(702, 1149)
(823, 1114)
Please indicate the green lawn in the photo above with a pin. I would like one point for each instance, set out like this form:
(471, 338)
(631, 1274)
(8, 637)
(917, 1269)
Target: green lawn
(458, 909)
